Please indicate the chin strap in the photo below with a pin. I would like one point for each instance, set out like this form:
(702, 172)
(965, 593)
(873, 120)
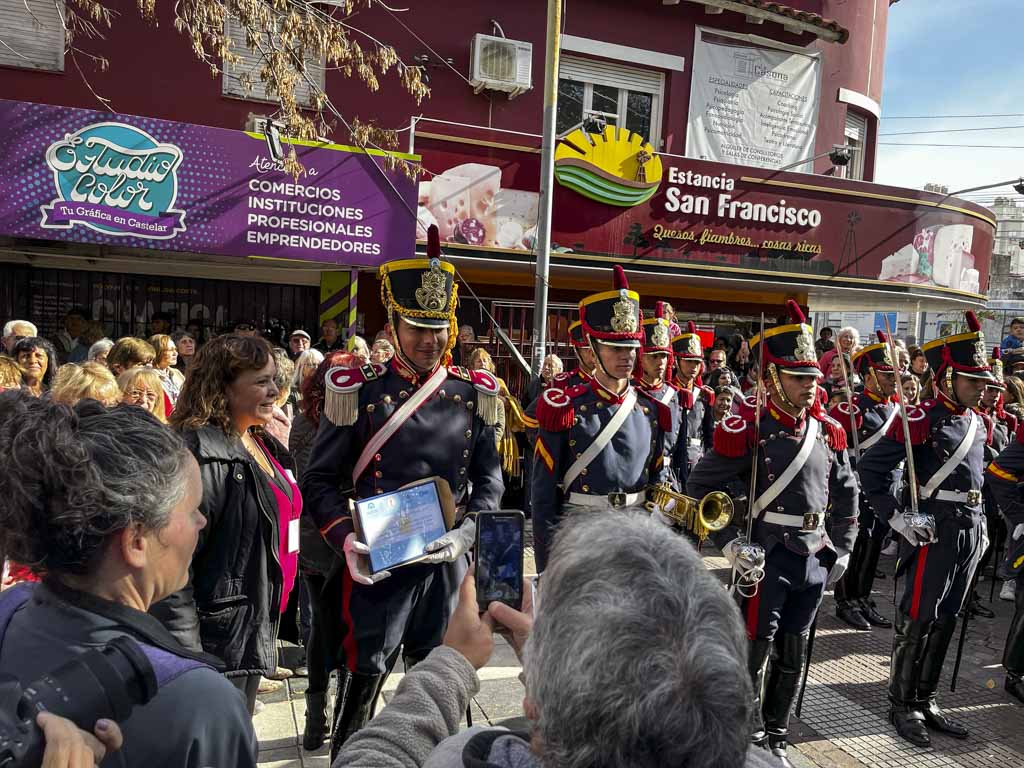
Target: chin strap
(777, 384)
(597, 355)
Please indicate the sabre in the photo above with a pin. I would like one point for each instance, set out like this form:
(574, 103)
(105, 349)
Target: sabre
(907, 444)
(849, 403)
(756, 576)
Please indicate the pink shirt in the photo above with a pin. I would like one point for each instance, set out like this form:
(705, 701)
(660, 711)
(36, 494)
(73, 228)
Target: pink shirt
(289, 510)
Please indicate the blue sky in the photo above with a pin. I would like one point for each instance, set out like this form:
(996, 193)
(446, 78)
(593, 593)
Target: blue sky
(953, 57)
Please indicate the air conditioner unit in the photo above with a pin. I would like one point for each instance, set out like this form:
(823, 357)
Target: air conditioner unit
(498, 64)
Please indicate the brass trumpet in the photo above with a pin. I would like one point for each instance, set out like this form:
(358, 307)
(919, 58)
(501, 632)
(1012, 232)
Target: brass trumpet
(699, 516)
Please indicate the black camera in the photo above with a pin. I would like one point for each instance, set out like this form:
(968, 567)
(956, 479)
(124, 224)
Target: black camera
(95, 685)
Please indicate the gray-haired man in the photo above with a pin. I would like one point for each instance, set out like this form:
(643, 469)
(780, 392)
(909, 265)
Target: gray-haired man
(637, 657)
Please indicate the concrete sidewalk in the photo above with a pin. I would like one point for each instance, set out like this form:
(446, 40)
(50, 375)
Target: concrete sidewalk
(844, 721)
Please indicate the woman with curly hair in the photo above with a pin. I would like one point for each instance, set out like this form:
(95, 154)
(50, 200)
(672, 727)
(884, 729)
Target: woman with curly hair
(38, 359)
(103, 504)
(244, 567)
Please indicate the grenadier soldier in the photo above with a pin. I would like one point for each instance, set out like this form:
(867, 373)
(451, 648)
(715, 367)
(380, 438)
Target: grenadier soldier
(1013, 362)
(1004, 479)
(383, 428)
(585, 364)
(599, 444)
(654, 368)
(696, 401)
(804, 516)
(1003, 427)
(943, 538)
(874, 414)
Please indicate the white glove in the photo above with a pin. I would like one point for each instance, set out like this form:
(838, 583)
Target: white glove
(453, 544)
(744, 556)
(358, 561)
(1018, 531)
(838, 569)
(917, 529)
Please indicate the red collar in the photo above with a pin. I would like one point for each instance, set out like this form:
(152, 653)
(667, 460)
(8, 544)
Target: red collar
(604, 394)
(645, 384)
(408, 373)
(950, 404)
(790, 422)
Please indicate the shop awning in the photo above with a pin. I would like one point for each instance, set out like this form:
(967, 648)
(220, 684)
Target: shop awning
(793, 19)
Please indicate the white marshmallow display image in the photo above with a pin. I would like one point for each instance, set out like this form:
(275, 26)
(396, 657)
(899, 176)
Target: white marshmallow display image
(939, 255)
(470, 207)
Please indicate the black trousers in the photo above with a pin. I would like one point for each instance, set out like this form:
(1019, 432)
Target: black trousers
(411, 608)
(323, 649)
(249, 686)
(788, 597)
(938, 575)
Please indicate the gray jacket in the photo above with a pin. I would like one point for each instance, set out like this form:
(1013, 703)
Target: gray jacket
(419, 728)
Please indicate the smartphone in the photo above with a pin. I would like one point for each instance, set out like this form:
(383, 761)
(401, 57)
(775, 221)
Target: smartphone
(499, 558)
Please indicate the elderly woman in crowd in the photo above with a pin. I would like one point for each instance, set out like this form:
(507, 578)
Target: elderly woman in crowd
(38, 359)
(103, 504)
(244, 566)
(92, 381)
(98, 352)
(171, 379)
(357, 346)
(12, 375)
(849, 339)
(281, 425)
(142, 387)
(382, 352)
(186, 344)
(128, 353)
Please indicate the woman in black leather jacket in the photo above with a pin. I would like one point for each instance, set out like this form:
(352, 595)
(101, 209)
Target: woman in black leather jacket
(244, 567)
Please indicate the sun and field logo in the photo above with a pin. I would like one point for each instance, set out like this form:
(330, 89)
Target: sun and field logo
(115, 179)
(616, 166)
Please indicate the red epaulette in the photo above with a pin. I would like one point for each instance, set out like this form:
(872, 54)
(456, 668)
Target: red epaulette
(555, 412)
(746, 406)
(834, 431)
(920, 425)
(733, 436)
(1010, 421)
(1020, 433)
(341, 399)
(841, 413)
(562, 378)
(663, 411)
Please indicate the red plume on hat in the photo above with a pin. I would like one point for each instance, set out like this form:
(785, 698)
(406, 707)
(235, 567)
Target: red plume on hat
(659, 310)
(619, 279)
(972, 321)
(795, 313)
(881, 337)
(996, 353)
(691, 327)
(433, 242)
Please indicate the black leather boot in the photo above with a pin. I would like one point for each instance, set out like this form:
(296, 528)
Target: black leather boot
(975, 606)
(355, 709)
(928, 682)
(783, 684)
(316, 721)
(908, 646)
(866, 580)
(757, 663)
(849, 611)
(1013, 652)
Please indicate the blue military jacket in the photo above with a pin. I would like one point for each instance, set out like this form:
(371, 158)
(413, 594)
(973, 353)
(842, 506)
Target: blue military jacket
(446, 437)
(937, 428)
(825, 488)
(668, 395)
(569, 421)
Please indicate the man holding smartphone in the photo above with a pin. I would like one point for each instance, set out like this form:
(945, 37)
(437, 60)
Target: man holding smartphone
(385, 427)
(599, 444)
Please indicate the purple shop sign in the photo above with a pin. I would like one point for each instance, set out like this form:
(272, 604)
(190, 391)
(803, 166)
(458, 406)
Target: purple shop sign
(83, 176)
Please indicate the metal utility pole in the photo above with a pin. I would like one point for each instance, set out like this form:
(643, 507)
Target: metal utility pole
(547, 180)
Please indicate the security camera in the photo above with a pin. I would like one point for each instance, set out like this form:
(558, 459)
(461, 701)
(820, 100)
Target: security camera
(839, 156)
(1019, 187)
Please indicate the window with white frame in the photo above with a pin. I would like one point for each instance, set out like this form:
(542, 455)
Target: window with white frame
(629, 97)
(32, 34)
(856, 133)
(250, 65)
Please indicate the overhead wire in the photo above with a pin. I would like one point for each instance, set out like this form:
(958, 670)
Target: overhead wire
(955, 130)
